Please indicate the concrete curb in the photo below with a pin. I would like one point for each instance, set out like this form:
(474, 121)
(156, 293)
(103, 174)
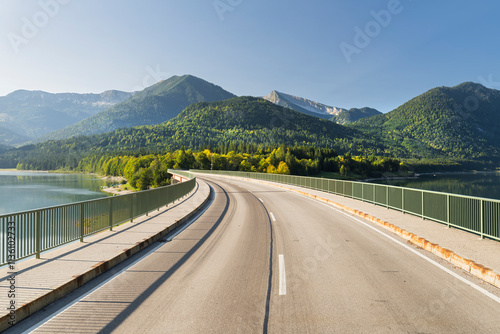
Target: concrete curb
(33, 306)
(476, 269)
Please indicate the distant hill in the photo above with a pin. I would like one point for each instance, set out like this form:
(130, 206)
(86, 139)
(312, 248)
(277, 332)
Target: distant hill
(241, 120)
(461, 122)
(11, 138)
(153, 105)
(252, 120)
(312, 108)
(354, 114)
(26, 115)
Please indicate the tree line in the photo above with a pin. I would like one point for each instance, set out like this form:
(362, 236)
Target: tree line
(150, 170)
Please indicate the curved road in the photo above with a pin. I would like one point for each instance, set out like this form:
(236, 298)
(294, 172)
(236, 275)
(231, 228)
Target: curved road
(261, 259)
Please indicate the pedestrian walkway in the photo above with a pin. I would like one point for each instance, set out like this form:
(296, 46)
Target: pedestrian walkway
(39, 282)
(480, 257)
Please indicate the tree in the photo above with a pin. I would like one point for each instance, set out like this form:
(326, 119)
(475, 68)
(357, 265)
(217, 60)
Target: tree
(144, 179)
(283, 168)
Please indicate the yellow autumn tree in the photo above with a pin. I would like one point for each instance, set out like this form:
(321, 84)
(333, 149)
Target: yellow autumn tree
(283, 168)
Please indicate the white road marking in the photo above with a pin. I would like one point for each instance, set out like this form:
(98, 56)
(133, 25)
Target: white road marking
(272, 216)
(282, 275)
(469, 283)
(260, 199)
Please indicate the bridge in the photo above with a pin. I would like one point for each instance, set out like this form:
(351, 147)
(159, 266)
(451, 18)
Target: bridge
(248, 252)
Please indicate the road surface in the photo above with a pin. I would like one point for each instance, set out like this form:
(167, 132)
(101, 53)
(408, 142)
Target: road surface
(264, 260)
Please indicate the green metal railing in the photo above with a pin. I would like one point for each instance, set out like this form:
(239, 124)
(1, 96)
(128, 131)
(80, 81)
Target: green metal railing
(29, 233)
(474, 214)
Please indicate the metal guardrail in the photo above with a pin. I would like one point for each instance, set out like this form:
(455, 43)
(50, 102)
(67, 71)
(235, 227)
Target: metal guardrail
(28, 233)
(474, 214)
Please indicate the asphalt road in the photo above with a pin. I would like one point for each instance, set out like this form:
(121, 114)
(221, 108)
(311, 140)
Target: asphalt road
(264, 260)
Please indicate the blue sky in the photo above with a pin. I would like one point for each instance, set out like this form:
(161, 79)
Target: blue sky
(311, 48)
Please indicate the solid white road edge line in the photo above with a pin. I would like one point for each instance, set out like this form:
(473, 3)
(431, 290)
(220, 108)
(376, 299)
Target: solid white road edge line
(282, 289)
(472, 285)
(272, 216)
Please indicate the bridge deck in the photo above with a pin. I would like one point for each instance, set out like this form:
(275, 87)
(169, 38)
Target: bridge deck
(35, 278)
(57, 272)
(462, 243)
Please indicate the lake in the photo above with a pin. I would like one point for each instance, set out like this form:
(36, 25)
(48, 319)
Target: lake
(20, 190)
(481, 184)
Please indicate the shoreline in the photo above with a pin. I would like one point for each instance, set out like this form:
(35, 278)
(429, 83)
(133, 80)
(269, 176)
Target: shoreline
(116, 191)
(418, 175)
(390, 178)
(113, 189)
(459, 173)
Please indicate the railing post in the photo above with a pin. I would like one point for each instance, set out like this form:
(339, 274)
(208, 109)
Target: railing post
(38, 237)
(403, 200)
(387, 196)
(131, 208)
(448, 210)
(111, 214)
(374, 195)
(423, 217)
(482, 219)
(82, 223)
(5, 232)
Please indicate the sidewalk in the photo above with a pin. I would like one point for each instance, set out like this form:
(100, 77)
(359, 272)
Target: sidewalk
(39, 282)
(465, 250)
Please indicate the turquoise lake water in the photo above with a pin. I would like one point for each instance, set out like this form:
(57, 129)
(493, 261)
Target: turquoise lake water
(20, 191)
(472, 184)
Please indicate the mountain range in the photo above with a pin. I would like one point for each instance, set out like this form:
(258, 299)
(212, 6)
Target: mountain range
(312, 108)
(35, 116)
(153, 105)
(457, 124)
(237, 121)
(27, 115)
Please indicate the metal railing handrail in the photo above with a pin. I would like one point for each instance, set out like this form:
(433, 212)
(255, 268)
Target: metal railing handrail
(31, 232)
(478, 215)
(411, 188)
